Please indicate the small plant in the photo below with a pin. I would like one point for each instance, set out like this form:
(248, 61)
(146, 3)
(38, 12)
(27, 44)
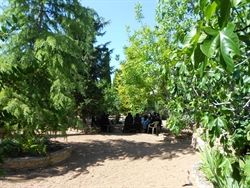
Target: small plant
(225, 171)
(21, 145)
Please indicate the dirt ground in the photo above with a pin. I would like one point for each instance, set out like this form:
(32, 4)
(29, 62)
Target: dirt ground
(113, 160)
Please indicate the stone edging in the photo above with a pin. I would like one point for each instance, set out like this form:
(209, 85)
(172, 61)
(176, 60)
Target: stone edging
(200, 177)
(36, 162)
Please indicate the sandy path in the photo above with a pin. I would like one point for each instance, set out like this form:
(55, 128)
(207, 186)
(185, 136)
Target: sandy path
(113, 160)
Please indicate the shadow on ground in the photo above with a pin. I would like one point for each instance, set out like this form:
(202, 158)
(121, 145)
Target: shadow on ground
(85, 154)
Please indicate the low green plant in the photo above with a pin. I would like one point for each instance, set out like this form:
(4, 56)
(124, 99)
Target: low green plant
(21, 145)
(225, 171)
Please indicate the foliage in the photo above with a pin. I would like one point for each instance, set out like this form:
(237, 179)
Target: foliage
(21, 145)
(46, 61)
(51, 71)
(138, 82)
(197, 62)
(92, 102)
(111, 100)
(221, 58)
(223, 170)
(12, 25)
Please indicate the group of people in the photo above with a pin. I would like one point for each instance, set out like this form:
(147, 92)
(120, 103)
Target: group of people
(132, 124)
(102, 121)
(140, 123)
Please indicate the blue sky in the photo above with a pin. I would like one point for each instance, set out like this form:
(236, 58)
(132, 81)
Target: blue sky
(120, 13)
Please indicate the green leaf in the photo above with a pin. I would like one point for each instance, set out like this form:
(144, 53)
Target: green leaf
(198, 56)
(246, 79)
(211, 124)
(235, 2)
(179, 107)
(14, 18)
(210, 31)
(183, 68)
(247, 168)
(205, 120)
(217, 76)
(4, 29)
(9, 24)
(224, 13)
(210, 10)
(229, 46)
(220, 122)
(34, 146)
(209, 46)
(201, 69)
(225, 165)
(189, 37)
(203, 4)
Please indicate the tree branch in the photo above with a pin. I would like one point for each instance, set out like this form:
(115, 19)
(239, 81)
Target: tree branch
(243, 29)
(242, 20)
(222, 103)
(248, 102)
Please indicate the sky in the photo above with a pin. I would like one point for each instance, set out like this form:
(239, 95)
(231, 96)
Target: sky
(121, 14)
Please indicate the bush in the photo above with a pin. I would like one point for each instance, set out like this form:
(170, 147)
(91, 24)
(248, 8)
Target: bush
(225, 171)
(21, 145)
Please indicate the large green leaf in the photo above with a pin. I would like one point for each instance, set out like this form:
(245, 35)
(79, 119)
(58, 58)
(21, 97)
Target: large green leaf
(209, 46)
(229, 46)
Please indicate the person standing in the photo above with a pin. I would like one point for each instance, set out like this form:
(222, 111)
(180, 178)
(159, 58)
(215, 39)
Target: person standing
(137, 123)
(128, 124)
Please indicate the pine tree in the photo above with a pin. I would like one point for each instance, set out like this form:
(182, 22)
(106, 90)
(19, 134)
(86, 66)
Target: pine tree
(44, 63)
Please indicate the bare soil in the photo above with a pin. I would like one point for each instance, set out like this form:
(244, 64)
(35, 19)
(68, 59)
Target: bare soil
(113, 160)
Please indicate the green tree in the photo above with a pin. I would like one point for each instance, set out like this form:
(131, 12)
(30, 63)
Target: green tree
(215, 63)
(43, 63)
(140, 82)
(200, 53)
(98, 78)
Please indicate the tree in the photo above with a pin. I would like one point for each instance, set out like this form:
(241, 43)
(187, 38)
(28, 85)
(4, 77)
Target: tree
(91, 102)
(202, 49)
(220, 60)
(140, 82)
(43, 63)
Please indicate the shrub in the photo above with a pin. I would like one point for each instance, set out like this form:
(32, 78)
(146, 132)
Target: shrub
(21, 145)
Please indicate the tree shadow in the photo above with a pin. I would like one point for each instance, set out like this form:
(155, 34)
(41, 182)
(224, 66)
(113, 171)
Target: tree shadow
(85, 154)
